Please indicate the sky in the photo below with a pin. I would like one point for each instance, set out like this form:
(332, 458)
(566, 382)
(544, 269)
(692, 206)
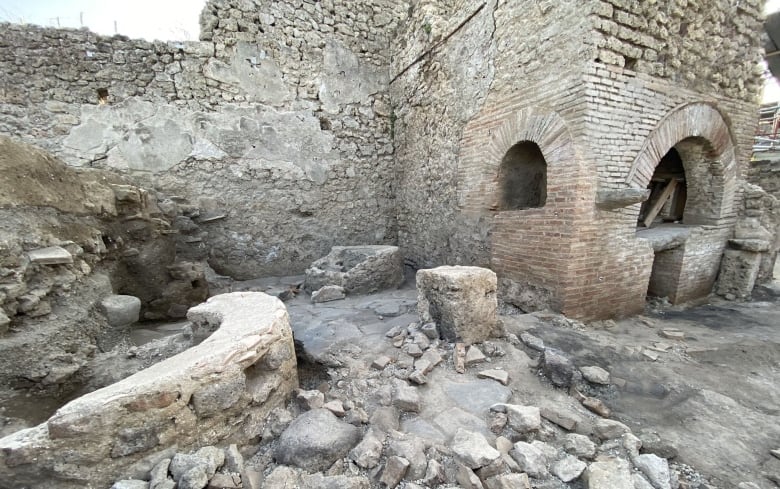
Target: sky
(166, 20)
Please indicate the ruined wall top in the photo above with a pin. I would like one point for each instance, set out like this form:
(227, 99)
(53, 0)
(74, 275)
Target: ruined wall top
(705, 45)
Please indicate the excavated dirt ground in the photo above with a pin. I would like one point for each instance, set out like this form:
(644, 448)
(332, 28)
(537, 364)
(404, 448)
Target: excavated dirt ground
(712, 397)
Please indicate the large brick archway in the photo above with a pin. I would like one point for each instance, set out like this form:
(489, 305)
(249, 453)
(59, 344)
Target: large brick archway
(702, 136)
(694, 121)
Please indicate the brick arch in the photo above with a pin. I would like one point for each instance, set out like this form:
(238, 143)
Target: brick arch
(699, 122)
(485, 148)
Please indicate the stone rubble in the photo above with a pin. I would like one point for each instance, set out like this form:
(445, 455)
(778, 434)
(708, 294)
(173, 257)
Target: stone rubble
(508, 446)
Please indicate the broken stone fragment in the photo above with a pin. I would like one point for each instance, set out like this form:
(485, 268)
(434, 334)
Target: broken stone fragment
(568, 468)
(650, 354)
(607, 429)
(467, 478)
(423, 366)
(421, 340)
(653, 443)
(394, 331)
(367, 453)
(655, 468)
(641, 483)
(498, 422)
(412, 449)
(413, 350)
(557, 367)
(430, 330)
(53, 255)
(418, 378)
(358, 269)
(474, 356)
(530, 459)
(204, 460)
(328, 293)
(532, 341)
(314, 440)
(494, 468)
(561, 416)
(356, 416)
(380, 362)
(434, 473)
(234, 461)
(225, 481)
(395, 470)
(433, 357)
(472, 449)
(508, 481)
(159, 473)
(608, 473)
(673, 334)
(406, 397)
(195, 478)
(596, 375)
(597, 406)
(121, 310)
(310, 399)
(459, 358)
(500, 376)
(523, 419)
(336, 407)
(579, 445)
(460, 300)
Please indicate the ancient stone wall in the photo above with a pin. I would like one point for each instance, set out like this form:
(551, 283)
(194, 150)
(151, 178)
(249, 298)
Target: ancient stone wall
(433, 100)
(280, 137)
(280, 121)
(766, 174)
(220, 391)
(705, 45)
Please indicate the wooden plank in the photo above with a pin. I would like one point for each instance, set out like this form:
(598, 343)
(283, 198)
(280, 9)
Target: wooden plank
(659, 204)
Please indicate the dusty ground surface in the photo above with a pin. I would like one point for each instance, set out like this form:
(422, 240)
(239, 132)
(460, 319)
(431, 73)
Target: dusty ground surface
(712, 398)
(709, 400)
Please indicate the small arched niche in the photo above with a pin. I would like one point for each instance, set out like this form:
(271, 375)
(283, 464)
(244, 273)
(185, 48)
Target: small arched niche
(522, 177)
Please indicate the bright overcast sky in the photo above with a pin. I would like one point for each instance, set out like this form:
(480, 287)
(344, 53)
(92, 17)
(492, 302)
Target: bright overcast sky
(167, 20)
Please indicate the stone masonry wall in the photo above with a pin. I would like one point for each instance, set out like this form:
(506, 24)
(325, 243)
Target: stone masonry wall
(706, 45)
(279, 121)
(766, 174)
(433, 100)
(218, 392)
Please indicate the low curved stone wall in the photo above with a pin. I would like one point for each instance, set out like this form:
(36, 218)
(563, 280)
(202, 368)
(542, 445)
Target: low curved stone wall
(220, 391)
